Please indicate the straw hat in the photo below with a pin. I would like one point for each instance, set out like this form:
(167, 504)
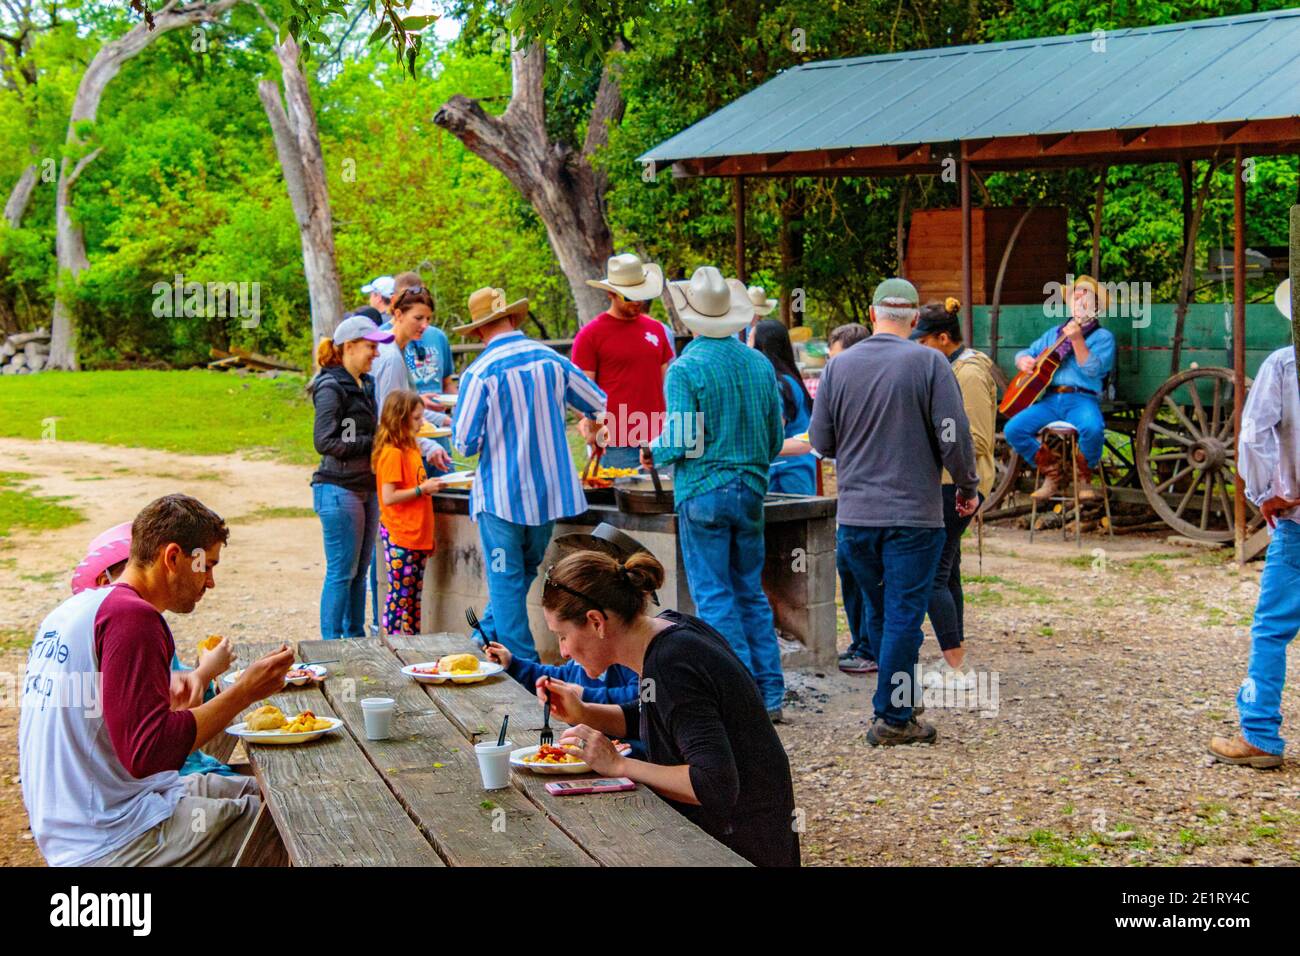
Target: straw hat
(710, 305)
(629, 277)
(762, 304)
(489, 304)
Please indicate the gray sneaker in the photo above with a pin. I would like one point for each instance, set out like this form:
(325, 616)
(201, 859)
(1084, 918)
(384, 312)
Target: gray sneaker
(851, 663)
(776, 715)
(884, 734)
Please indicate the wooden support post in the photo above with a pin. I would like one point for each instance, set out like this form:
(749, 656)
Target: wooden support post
(967, 279)
(1096, 222)
(739, 192)
(1239, 333)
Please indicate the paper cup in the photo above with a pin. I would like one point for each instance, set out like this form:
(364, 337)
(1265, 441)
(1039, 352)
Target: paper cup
(378, 713)
(494, 763)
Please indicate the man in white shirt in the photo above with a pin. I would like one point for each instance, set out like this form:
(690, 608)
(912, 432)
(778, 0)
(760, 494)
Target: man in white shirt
(1267, 461)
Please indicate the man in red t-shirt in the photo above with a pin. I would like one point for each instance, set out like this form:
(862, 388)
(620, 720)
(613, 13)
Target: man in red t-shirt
(626, 353)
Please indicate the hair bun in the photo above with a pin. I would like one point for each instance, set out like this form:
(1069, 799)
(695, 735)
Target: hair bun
(952, 305)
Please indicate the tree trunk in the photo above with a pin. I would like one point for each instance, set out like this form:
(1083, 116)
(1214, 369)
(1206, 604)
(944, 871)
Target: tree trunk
(297, 143)
(70, 244)
(562, 184)
(20, 196)
(790, 241)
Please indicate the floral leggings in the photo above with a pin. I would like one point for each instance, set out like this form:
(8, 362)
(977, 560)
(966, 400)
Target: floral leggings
(405, 585)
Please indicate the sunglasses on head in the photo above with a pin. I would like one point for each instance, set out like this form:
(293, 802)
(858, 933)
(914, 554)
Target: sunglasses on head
(548, 581)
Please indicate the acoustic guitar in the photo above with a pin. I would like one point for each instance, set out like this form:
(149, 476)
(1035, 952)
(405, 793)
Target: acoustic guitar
(1027, 386)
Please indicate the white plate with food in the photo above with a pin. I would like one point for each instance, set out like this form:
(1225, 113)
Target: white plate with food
(434, 431)
(273, 727)
(453, 667)
(296, 677)
(448, 399)
(545, 759)
(457, 479)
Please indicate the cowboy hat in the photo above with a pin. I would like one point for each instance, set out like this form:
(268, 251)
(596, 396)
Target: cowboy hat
(762, 304)
(489, 304)
(106, 550)
(710, 305)
(627, 276)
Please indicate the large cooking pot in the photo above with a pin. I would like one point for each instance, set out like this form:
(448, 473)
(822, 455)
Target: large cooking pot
(636, 495)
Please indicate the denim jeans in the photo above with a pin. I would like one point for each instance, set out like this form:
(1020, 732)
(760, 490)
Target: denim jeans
(620, 456)
(721, 534)
(1081, 411)
(855, 608)
(947, 602)
(895, 569)
(1277, 619)
(348, 520)
(511, 554)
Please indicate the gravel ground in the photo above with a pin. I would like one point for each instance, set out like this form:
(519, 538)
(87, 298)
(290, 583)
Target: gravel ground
(1113, 667)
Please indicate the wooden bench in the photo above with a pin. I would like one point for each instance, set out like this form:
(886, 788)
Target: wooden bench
(417, 798)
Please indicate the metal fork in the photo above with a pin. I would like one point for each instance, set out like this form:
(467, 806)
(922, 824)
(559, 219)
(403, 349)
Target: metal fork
(472, 618)
(547, 738)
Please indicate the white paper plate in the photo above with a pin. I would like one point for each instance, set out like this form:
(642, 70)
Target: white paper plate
(457, 479)
(517, 760)
(434, 431)
(485, 670)
(319, 670)
(275, 737)
(447, 398)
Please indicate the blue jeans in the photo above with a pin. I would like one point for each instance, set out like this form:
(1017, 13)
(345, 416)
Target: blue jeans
(1081, 411)
(721, 534)
(895, 569)
(621, 456)
(511, 554)
(1277, 619)
(349, 520)
(855, 609)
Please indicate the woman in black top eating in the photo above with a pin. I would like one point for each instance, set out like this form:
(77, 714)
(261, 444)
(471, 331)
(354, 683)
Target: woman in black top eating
(712, 750)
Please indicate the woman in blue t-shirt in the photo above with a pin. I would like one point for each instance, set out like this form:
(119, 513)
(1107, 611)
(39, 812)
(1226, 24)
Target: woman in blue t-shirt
(795, 471)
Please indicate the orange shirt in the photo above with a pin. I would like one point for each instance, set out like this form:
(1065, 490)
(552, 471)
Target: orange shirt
(409, 523)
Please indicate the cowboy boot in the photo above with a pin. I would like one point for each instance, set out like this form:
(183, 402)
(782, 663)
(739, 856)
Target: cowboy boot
(1084, 481)
(1049, 466)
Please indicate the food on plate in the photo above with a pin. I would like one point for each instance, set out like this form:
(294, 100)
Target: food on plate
(430, 669)
(304, 723)
(298, 673)
(549, 754)
(458, 664)
(266, 717)
(209, 642)
(604, 472)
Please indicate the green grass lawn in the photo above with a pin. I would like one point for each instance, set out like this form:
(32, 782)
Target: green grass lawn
(22, 509)
(194, 411)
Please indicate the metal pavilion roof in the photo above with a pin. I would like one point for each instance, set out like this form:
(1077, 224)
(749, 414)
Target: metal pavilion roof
(1181, 89)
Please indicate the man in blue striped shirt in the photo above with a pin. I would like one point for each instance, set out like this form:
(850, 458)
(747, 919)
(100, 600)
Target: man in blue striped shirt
(511, 414)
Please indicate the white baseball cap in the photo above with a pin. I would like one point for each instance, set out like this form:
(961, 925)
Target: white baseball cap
(359, 327)
(381, 284)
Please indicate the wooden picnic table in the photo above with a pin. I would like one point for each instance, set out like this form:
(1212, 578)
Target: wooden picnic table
(416, 799)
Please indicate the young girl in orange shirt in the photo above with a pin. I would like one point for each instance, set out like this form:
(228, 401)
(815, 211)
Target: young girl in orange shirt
(404, 507)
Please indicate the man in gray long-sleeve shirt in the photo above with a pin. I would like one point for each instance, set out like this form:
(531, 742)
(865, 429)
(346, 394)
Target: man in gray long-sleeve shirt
(889, 411)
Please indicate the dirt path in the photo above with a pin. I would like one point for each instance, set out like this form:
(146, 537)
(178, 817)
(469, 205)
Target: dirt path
(1112, 669)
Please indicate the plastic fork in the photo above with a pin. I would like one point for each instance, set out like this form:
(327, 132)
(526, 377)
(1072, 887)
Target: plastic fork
(547, 738)
(472, 618)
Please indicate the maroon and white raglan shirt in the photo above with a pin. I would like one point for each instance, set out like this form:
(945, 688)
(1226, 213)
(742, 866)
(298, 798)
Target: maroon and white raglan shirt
(99, 747)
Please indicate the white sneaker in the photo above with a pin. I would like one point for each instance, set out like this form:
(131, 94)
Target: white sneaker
(950, 678)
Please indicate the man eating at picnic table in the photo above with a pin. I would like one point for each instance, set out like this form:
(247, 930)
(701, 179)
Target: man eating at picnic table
(104, 730)
(511, 414)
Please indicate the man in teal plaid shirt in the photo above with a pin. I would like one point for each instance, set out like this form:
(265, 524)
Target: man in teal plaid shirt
(722, 430)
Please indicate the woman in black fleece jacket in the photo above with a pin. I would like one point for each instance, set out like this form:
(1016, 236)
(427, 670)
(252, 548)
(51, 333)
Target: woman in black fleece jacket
(343, 487)
(712, 751)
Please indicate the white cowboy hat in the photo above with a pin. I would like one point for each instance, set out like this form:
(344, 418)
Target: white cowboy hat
(710, 305)
(629, 277)
(487, 305)
(762, 304)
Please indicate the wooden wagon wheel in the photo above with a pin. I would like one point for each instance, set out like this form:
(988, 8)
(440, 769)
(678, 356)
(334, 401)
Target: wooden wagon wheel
(1187, 455)
(1006, 462)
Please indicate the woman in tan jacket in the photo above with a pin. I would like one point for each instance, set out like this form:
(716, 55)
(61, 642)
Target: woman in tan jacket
(938, 328)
